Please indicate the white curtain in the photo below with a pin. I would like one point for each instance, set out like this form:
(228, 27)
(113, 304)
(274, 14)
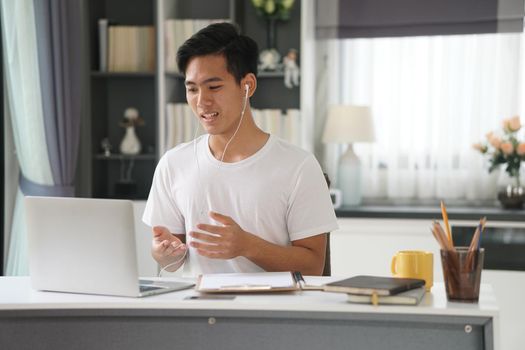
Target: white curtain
(431, 99)
(24, 101)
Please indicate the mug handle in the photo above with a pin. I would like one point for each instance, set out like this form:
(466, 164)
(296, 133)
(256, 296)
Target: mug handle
(393, 265)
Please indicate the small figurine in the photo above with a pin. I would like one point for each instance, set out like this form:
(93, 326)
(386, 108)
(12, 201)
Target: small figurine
(291, 69)
(106, 146)
(269, 60)
(130, 144)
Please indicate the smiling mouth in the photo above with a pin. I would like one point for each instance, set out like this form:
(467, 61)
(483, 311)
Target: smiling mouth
(209, 116)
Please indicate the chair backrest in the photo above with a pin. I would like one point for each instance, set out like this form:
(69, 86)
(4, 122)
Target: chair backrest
(327, 270)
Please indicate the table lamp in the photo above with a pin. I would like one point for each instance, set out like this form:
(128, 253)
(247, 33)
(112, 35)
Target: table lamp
(349, 124)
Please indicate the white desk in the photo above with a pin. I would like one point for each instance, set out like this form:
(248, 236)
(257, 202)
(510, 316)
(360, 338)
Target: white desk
(301, 320)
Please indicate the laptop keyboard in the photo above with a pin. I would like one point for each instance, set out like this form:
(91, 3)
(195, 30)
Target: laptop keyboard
(152, 285)
(148, 288)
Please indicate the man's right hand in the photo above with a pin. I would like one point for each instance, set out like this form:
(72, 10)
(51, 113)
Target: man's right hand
(166, 248)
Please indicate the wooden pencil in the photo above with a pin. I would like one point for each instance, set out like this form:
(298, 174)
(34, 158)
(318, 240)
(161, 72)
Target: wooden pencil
(438, 239)
(448, 244)
(445, 222)
(475, 244)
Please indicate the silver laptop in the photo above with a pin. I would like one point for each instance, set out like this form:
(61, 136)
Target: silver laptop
(83, 245)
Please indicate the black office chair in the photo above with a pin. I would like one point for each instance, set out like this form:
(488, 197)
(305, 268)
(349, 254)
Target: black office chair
(327, 271)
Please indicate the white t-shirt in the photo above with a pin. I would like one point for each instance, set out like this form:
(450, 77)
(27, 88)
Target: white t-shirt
(279, 194)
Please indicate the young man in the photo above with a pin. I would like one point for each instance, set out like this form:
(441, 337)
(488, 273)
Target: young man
(236, 199)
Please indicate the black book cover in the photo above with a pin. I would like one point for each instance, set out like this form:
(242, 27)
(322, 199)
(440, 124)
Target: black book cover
(368, 285)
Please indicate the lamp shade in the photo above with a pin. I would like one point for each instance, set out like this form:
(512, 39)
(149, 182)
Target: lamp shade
(349, 124)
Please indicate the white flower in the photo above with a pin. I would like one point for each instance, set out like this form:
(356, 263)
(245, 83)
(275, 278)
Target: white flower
(258, 3)
(287, 4)
(269, 7)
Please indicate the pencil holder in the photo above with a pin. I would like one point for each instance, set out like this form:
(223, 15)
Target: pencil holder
(462, 273)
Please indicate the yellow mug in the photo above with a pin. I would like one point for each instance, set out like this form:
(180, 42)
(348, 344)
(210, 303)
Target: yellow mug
(414, 264)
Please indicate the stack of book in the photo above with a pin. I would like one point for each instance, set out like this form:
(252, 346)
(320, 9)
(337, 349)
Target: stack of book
(126, 48)
(380, 290)
(181, 124)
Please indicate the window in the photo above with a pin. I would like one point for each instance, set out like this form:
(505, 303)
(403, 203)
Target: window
(431, 99)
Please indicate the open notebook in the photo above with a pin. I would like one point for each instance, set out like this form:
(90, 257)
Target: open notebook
(247, 282)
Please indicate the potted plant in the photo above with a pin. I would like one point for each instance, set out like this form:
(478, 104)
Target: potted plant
(272, 11)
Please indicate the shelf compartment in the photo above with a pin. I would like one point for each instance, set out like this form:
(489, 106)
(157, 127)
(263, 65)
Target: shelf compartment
(148, 156)
(99, 74)
(261, 75)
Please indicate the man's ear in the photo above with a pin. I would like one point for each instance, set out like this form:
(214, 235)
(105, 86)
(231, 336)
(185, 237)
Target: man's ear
(250, 80)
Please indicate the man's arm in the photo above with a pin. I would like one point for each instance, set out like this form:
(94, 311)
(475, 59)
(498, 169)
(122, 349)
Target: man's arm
(230, 240)
(306, 255)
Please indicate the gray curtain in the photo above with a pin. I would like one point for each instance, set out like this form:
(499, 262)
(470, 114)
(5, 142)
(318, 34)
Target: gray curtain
(388, 18)
(58, 28)
(43, 61)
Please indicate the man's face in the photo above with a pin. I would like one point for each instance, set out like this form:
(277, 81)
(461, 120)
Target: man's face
(213, 94)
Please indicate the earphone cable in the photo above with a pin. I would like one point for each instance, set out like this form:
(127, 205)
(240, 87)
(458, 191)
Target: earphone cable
(173, 263)
(199, 170)
(227, 144)
(238, 125)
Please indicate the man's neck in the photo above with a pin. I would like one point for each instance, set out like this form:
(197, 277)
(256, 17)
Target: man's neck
(248, 140)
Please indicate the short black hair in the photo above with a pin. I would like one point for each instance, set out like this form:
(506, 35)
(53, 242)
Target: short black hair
(240, 51)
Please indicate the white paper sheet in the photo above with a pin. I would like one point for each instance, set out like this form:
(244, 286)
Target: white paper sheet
(267, 280)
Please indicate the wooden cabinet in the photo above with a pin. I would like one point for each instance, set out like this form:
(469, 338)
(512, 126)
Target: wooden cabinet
(110, 94)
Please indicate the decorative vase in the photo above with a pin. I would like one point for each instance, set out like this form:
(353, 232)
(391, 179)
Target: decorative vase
(130, 144)
(512, 194)
(512, 197)
(269, 58)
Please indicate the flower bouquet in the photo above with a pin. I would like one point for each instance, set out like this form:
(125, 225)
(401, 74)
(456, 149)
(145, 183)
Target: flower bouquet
(506, 149)
(276, 9)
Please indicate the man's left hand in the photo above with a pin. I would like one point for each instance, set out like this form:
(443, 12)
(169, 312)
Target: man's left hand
(222, 242)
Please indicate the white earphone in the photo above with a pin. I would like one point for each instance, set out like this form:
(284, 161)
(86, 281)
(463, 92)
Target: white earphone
(247, 90)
